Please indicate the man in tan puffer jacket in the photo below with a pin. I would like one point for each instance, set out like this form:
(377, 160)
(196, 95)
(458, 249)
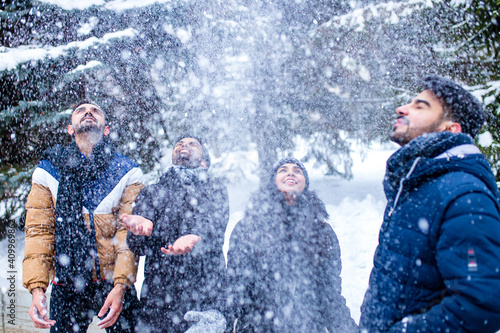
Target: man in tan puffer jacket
(74, 237)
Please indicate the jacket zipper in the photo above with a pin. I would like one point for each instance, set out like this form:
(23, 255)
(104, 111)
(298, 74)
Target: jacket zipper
(401, 181)
(94, 244)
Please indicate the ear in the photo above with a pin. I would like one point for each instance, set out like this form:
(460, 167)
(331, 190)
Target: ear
(449, 126)
(454, 127)
(71, 131)
(106, 130)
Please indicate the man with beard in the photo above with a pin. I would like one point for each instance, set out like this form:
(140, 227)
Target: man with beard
(179, 225)
(73, 234)
(437, 265)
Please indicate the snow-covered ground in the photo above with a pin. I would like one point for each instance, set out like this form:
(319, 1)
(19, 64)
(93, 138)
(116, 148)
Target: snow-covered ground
(355, 207)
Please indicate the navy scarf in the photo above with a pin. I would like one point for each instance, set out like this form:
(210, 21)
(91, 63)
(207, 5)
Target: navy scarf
(74, 244)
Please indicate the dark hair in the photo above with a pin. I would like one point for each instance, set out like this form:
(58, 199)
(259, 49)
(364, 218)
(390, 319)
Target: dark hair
(81, 102)
(458, 104)
(204, 151)
(272, 180)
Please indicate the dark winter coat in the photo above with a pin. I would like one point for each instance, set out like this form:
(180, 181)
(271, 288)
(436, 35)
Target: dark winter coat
(284, 268)
(174, 285)
(437, 265)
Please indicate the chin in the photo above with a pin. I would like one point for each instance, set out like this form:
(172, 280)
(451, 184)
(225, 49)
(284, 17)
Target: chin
(89, 129)
(399, 139)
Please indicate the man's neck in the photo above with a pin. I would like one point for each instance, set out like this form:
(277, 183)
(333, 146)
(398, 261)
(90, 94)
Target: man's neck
(87, 141)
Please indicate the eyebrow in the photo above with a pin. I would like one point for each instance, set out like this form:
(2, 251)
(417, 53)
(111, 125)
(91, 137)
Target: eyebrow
(296, 167)
(191, 142)
(91, 108)
(418, 101)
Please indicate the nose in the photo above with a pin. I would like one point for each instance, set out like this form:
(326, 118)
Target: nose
(183, 145)
(402, 110)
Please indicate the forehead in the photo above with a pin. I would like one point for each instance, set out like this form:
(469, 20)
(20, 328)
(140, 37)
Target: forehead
(82, 108)
(188, 140)
(85, 106)
(290, 166)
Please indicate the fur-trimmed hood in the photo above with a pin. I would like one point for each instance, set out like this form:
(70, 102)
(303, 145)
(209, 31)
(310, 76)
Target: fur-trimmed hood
(271, 202)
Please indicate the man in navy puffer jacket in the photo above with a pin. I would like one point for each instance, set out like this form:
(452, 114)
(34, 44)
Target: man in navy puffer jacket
(437, 265)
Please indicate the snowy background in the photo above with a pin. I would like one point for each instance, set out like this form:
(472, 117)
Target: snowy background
(323, 75)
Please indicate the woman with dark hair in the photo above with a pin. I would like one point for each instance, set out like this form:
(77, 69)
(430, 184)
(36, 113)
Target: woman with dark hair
(284, 260)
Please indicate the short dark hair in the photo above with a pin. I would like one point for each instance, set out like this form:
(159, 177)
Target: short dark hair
(81, 102)
(458, 104)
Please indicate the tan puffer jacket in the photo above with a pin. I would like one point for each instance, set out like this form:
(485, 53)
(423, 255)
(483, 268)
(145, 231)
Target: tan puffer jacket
(116, 261)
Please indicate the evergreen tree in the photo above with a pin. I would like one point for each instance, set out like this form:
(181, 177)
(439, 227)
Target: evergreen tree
(96, 53)
(245, 74)
(475, 31)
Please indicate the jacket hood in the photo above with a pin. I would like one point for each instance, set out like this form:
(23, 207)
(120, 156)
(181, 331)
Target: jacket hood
(269, 201)
(431, 156)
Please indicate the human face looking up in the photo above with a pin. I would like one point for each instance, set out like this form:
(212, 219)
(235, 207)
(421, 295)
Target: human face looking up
(188, 152)
(88, 118)
(424, 114)
(290, 179)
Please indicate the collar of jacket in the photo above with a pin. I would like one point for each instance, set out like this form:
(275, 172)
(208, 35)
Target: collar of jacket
(191, 177)
(268, 203)
(427, 157)
(462, 150)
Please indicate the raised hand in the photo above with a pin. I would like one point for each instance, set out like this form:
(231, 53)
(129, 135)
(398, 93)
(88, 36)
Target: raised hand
(137, 225)
(183, 245)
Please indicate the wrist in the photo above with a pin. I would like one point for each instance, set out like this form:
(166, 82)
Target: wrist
(121, 286)
(37, 290)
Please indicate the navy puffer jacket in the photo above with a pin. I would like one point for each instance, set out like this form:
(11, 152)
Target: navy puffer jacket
(437, 265)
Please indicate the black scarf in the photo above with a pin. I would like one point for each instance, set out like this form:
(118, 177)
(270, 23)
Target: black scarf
(74, 244)
(190, 176)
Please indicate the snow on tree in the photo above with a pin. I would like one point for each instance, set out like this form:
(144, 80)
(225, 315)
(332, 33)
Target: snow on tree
(263, 75)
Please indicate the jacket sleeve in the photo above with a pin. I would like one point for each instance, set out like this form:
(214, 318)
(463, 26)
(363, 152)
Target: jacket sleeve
(335, 311)
(211, 224)
(126, 262)
(468, 258)
(145, 207)
(40, 238)
(237, 283)
(242, 298)
(218, 262)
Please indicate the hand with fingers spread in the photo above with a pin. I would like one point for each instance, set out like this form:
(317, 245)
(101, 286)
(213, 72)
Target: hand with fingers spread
(137, 225)
(182, 246)
(38, 309)
(114, 302)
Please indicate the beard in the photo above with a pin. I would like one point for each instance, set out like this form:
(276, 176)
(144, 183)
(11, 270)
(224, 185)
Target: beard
(186, 160)
(402, 138)
(89, 128)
